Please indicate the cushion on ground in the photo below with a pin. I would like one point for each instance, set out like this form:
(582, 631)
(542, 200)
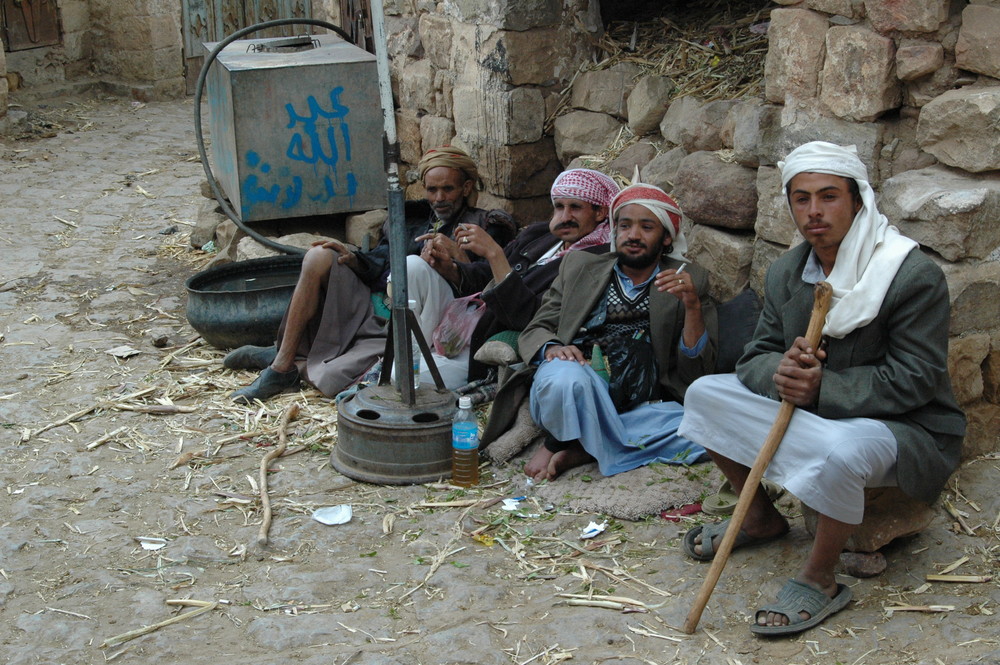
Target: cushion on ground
(500, 349)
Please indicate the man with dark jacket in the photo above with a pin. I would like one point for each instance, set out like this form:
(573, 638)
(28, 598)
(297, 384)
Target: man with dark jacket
(329, 335)
(514, 279)
(642, 303)
(875, 405)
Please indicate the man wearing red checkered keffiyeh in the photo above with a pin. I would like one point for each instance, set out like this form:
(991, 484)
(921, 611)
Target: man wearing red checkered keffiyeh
(520, 274)
(646, 311)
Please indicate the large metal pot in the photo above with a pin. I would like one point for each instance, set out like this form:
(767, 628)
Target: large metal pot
(243, 302)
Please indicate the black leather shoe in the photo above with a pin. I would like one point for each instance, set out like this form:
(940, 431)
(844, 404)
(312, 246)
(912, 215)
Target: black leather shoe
(250, 357)
(267, 385)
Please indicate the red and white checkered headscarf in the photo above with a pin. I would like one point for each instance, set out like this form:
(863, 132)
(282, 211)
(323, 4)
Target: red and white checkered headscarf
(660, 204)
(585, 184)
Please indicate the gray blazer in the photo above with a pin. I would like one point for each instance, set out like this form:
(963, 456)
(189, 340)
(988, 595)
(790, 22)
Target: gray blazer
(895, 369)
(582, 281)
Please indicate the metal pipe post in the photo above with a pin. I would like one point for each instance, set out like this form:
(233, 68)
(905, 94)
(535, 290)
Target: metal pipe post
(403, 349)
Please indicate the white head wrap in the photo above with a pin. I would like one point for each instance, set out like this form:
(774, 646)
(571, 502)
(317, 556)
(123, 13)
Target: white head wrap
(872, 250)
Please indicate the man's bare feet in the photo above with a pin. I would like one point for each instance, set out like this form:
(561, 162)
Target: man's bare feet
(537, 467)
(547, 465)
(565, 460)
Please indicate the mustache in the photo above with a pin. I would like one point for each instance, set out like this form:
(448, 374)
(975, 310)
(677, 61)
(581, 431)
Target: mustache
(567, 225)
(635, 243)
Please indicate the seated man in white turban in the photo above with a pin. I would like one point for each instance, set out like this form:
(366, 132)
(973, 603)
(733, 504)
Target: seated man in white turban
(649, 316)
(875, 405)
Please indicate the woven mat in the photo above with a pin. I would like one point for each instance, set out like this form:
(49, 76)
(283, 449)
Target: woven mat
(633, 495)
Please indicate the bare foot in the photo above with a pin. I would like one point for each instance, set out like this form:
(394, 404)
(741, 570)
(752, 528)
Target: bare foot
(564, 460)
(537, 467)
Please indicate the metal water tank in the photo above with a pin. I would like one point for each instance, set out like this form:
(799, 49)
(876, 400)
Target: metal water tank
(296, 127)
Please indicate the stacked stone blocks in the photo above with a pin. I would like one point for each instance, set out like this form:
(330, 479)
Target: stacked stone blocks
(912, 83)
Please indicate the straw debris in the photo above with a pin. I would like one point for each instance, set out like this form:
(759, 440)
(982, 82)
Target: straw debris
(709, 50)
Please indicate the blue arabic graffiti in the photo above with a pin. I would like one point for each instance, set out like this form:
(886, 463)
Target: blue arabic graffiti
(254, 192)
(320, 146)
(315, 152)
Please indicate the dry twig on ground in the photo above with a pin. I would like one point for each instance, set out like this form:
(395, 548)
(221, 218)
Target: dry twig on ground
(290, 412)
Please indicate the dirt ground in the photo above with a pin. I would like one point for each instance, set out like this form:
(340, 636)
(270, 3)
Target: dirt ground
(97, 196)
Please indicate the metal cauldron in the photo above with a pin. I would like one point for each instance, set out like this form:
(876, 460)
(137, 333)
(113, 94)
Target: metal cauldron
(382, 440)
(243, 302)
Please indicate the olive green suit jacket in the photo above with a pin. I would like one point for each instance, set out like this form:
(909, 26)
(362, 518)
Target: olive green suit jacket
(895, 369)
(582, 281)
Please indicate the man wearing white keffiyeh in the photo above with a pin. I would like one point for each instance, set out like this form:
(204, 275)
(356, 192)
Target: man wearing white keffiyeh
(876, 407)
(868, 256)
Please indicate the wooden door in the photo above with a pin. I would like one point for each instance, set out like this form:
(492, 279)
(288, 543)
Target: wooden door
(214, 20)
(29, 24)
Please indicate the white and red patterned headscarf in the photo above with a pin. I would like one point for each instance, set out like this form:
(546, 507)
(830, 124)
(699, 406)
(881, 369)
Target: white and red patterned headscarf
(585, 184)
(660, 204)
(591, 187)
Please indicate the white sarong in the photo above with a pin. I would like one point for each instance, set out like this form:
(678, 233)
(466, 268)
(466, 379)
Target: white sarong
(826, 463)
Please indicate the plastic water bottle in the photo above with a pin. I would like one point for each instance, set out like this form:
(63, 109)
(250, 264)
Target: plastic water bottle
(465, 445)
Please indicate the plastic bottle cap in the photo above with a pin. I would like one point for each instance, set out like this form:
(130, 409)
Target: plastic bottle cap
(465, 402)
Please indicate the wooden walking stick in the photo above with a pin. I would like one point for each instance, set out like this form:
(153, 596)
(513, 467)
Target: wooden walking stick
(821, 304)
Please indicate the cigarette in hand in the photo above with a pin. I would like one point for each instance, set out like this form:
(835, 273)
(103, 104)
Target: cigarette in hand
(681, 269)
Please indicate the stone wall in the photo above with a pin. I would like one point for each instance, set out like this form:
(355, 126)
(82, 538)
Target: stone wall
(53, 64)
(485, 75)
(914, 84)
(4, 88)
(137, 46)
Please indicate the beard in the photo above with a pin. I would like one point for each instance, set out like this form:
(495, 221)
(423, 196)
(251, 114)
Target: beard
(448, 212)
(649, 257)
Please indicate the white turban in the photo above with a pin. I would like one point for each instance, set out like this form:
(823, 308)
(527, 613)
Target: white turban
(870, 253)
